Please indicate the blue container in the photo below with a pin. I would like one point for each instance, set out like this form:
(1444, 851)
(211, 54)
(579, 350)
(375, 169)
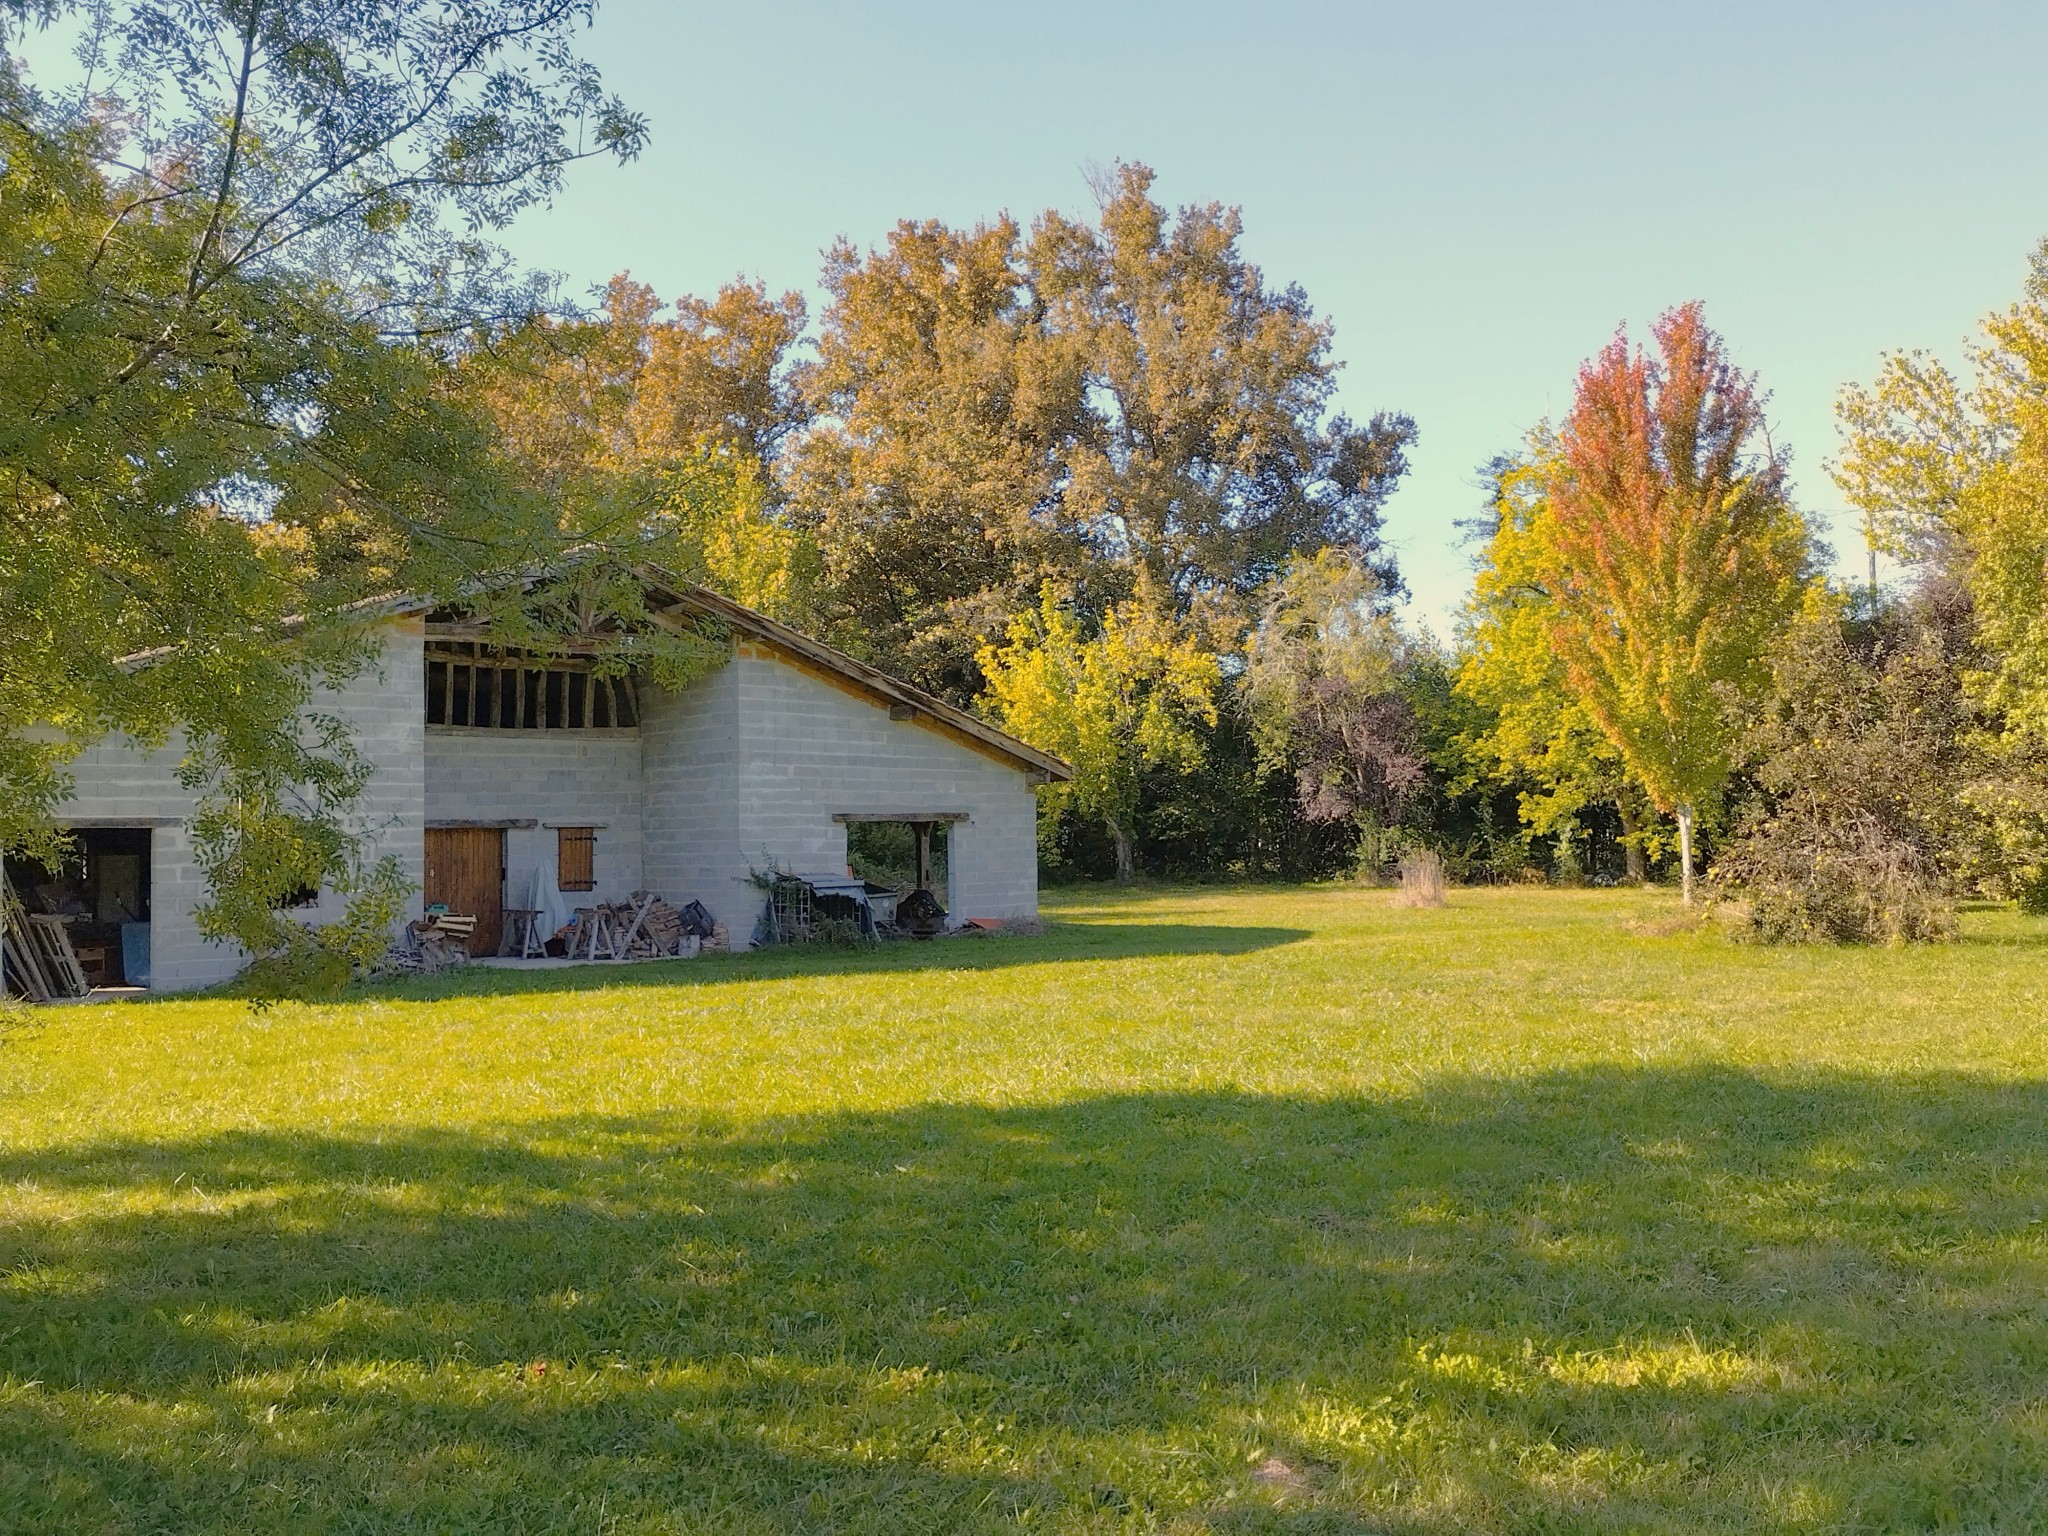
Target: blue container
(135, 953)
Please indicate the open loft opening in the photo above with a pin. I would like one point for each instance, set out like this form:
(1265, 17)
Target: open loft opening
(484, 687)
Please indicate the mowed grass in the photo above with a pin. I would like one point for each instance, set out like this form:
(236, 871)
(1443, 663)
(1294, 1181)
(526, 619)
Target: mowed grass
(1250, 1211)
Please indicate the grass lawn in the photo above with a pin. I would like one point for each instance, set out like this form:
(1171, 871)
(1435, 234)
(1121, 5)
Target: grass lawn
(1244, 1211)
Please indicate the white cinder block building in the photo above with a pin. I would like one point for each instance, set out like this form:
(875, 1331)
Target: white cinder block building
(494, 770)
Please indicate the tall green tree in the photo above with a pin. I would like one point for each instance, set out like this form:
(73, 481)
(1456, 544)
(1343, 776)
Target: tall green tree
(657, 432)
(1672, 558)
(933, 482)
(228, 260)
(1210, 458)
(1126, 407)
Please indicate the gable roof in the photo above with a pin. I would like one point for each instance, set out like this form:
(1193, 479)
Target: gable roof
(691, 598)
(688, 599)
(871, 682)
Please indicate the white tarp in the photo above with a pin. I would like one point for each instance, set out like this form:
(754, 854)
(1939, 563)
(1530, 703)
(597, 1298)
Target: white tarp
(543, 897)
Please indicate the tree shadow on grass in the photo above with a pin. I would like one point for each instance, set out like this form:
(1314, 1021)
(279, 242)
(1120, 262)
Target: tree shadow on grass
(1063, 942)
(1595, 1300)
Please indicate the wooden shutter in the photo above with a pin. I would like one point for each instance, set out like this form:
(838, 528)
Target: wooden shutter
(576, 858)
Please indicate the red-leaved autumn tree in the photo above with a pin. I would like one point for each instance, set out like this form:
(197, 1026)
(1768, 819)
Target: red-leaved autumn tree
(1675, 556)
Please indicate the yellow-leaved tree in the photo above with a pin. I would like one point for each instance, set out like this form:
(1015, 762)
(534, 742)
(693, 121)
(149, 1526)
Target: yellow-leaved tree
(1950, 473)
(1109, 703)
(1538, 733)
(1672, 559)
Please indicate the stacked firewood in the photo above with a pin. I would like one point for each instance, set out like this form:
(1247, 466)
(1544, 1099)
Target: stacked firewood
(433, 944)
(643, 927)
(661, 929)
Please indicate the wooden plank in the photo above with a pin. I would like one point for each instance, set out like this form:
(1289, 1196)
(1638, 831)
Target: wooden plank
(625, 945)
(905, 816)
(469, 641)
(120, 823)
(24, 964)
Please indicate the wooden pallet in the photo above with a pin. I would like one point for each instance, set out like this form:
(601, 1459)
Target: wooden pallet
(40, 960)
(24, 960)
(60, 961)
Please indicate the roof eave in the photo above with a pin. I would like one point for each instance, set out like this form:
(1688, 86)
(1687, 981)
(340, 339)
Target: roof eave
(869, 679)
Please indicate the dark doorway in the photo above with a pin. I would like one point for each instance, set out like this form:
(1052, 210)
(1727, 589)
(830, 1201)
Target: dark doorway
(101, 891)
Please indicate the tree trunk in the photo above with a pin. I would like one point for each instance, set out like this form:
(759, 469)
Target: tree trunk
(1631, 849)
(1123, 851)
(1685, 851)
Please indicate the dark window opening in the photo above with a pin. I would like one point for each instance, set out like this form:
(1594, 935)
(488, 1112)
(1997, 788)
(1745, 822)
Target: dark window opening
(885, 853)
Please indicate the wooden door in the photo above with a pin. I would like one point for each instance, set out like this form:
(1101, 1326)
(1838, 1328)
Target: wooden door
(466, 869)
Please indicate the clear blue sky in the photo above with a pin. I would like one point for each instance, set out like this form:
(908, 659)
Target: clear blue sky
(1476, 194)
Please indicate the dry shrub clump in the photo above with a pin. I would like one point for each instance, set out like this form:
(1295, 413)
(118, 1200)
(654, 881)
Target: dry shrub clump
(1855, 758)
(1422, 879)
(1851, 882)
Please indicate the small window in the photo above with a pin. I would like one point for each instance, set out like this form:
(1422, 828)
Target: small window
(576, 858)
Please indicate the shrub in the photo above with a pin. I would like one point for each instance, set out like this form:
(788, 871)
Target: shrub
(1833, 880)
(1855, 758)
(1422, 878)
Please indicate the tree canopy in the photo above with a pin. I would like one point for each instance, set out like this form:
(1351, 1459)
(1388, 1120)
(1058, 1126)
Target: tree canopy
(1127, 408)
(1672, 556)
(229, 260)
(1952, 472)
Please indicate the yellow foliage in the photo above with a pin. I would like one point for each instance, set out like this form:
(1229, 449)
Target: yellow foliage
(1128, 696)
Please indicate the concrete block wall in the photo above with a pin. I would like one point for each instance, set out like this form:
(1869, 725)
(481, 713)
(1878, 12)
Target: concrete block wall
(746, 768)
(118, 783)
(555, 778)
(385, 709)
(690, 756)
(811, 749)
